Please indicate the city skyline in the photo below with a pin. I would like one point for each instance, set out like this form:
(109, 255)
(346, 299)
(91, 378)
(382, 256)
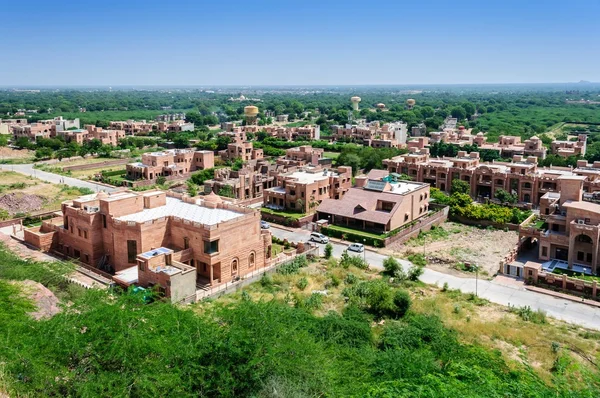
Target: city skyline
(267, 43)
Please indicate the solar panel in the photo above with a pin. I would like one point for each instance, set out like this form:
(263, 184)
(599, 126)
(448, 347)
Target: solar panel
(373, 185)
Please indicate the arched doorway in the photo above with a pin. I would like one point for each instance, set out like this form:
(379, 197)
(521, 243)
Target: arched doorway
(234, 267)
(584, 247)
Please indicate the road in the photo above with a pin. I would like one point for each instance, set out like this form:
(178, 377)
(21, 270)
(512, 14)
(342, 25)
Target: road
(566, 310)
(28, 170)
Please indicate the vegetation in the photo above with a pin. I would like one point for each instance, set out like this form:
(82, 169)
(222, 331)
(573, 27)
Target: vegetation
(113, 344)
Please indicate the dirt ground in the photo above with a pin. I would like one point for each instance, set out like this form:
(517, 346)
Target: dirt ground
(23, 194)
(458, 243)
(9, 153)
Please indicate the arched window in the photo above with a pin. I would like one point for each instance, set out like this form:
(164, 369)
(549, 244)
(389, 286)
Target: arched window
(234, 266)
(527, 198)
(251, 260)
(527, 185)
(584, 239)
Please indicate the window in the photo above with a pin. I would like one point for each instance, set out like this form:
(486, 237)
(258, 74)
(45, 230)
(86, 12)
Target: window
(406, 217)
(186, 242)
(87, 258)
(66, 222)
(580, 256)
(530, 272)
(131, 251)
(85, 234)
(76, 253)
(211, 247)
(251, 259)
(387, 206)
(588, 257)
(544, 251)
(104, 219)
(78, 231)
(234, 266)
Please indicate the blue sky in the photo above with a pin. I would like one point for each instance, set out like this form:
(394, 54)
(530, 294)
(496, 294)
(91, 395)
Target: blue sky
(131, 42)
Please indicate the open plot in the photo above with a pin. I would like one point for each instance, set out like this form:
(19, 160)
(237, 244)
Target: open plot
(23, 194)
(448, 247)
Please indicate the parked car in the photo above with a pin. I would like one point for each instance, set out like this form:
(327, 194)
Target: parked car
(264, 225)
(320, 238)
(356, 247)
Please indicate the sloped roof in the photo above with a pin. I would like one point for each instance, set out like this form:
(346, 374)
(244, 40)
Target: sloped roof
(357, 197)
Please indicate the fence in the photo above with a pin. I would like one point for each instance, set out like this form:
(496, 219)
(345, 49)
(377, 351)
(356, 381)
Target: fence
(27, 219)
(106, 163)
(556, 282)
(247, 279)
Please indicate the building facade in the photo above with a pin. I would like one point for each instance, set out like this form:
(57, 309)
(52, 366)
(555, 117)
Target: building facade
(172, 162)
(153, 236)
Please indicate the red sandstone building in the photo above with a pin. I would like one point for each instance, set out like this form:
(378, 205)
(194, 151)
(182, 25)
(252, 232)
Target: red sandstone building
(170, 163)
(151, 238)
(522, 176)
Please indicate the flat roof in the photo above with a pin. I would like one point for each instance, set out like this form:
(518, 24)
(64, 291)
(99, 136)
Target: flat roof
(155, 252)
(307, 178)
(404, 187)
(128, 276)
(187, 211)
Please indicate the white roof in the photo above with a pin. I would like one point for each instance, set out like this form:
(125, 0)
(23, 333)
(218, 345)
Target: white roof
(404, 187)
(183, 210)
(307, 178)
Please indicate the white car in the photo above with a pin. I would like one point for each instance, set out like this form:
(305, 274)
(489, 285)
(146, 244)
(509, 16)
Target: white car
(320, 238)
(356, 247)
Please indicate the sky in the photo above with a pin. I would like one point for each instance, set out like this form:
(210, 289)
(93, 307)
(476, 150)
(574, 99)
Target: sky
(288, 42)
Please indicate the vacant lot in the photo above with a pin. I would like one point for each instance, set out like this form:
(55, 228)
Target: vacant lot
(23, 194)
(9, 155)
(88, 174)
(447, 248)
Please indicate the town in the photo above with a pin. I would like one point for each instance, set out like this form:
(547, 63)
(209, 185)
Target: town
(233, 199)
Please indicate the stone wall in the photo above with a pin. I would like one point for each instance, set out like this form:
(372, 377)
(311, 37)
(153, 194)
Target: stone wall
(422, 224)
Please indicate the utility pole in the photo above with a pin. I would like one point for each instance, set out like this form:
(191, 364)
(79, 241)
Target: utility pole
(476, 279)
(364, 251)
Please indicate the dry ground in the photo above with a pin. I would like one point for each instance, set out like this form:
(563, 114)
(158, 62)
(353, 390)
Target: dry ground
(456, 243)
(9, 153)
(31, 195)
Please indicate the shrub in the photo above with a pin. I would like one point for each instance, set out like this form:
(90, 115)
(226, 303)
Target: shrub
(417, 259)
(328, 250)
(392, 266)
(357, 261)
(415, 273)
(266, 281)
(314, 302)
(402, 301)
(335, 281)
(161, 180)
(293, 266)
(302, 283)
(350, 279)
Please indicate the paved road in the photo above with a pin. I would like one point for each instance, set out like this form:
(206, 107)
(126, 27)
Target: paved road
(28, 169)
(503, 294)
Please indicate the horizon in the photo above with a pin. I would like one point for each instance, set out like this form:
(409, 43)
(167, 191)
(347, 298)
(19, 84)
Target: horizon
(298, 43)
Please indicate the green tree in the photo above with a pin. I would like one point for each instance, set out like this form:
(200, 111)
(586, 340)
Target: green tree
(328, 250)
(192, 189)
(226, 191)
(506, 197)
(460, 186)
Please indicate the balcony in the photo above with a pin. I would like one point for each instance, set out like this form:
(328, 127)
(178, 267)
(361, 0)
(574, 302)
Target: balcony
(579, 226)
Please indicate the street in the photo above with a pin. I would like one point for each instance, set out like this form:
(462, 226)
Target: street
(566, 310)
(28, 169)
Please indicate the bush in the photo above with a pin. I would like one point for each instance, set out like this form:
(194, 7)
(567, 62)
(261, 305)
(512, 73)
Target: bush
(160, 180)
(402, 301)
(350, 279)
(314, 302)
(293, 266)
(392, 266)
(415, 273)
(417, 259)
(266, 281)
(357, 261)
(328, 250)
(302, 283)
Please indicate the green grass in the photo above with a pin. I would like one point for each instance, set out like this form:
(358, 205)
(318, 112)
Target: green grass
(356, 232)
(331, 155)
(283, 213)
(574, 274)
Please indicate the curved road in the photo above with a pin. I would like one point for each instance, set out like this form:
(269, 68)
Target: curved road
(566, 310)
(28, 170)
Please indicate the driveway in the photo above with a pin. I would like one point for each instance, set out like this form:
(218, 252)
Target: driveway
(28, 170)
(496, 292)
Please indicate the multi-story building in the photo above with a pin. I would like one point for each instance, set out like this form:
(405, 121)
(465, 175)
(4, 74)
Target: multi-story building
(61, 124)
(241, 150)
(373, 134)
(131, 127)
(303, 189)
(170, 163)
(570, 235)
(33, 131)
(170, 117)
(522, 176)
(419, 130)
(302, 156)
(458, 136)
(157, 239)
(246, 183)
(570, 148)
(107, 137)
(378, 203)
(509, 146)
